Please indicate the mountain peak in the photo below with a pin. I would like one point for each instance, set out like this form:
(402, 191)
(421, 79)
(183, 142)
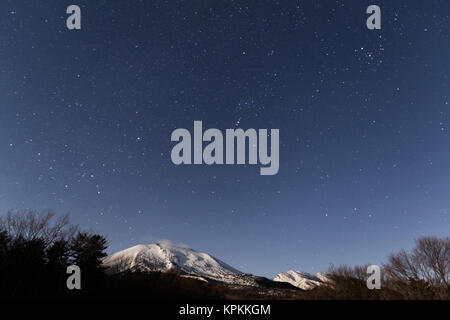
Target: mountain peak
(302, 280)
(164, 256)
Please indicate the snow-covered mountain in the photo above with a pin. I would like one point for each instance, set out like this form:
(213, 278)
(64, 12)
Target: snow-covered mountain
(166, 256)
(301, 280)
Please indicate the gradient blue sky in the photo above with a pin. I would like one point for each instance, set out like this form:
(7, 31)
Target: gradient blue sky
(86, 118)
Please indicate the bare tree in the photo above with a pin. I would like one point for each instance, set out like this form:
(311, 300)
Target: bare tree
(428, 264)
(31, 225)
(347, 272)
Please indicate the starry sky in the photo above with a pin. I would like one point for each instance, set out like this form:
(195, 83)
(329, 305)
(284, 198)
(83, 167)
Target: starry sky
(86, 117)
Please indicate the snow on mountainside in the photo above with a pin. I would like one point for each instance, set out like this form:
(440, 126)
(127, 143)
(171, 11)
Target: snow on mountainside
(197, 265)
(301, 280)
(165, 256)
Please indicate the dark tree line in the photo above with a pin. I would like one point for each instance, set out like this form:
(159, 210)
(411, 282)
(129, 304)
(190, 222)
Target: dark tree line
(35, 251)
(422, 273)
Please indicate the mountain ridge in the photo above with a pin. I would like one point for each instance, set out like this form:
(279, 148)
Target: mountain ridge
(165, 256)
(300, 279)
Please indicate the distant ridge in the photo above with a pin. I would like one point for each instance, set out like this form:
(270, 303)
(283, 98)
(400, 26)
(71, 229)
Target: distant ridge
(302, 280)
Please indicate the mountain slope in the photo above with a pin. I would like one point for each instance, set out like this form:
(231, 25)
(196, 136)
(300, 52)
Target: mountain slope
(190, 263)
(166, 256)
(301, 280)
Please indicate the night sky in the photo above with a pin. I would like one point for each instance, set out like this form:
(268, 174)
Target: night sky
(86, 117)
